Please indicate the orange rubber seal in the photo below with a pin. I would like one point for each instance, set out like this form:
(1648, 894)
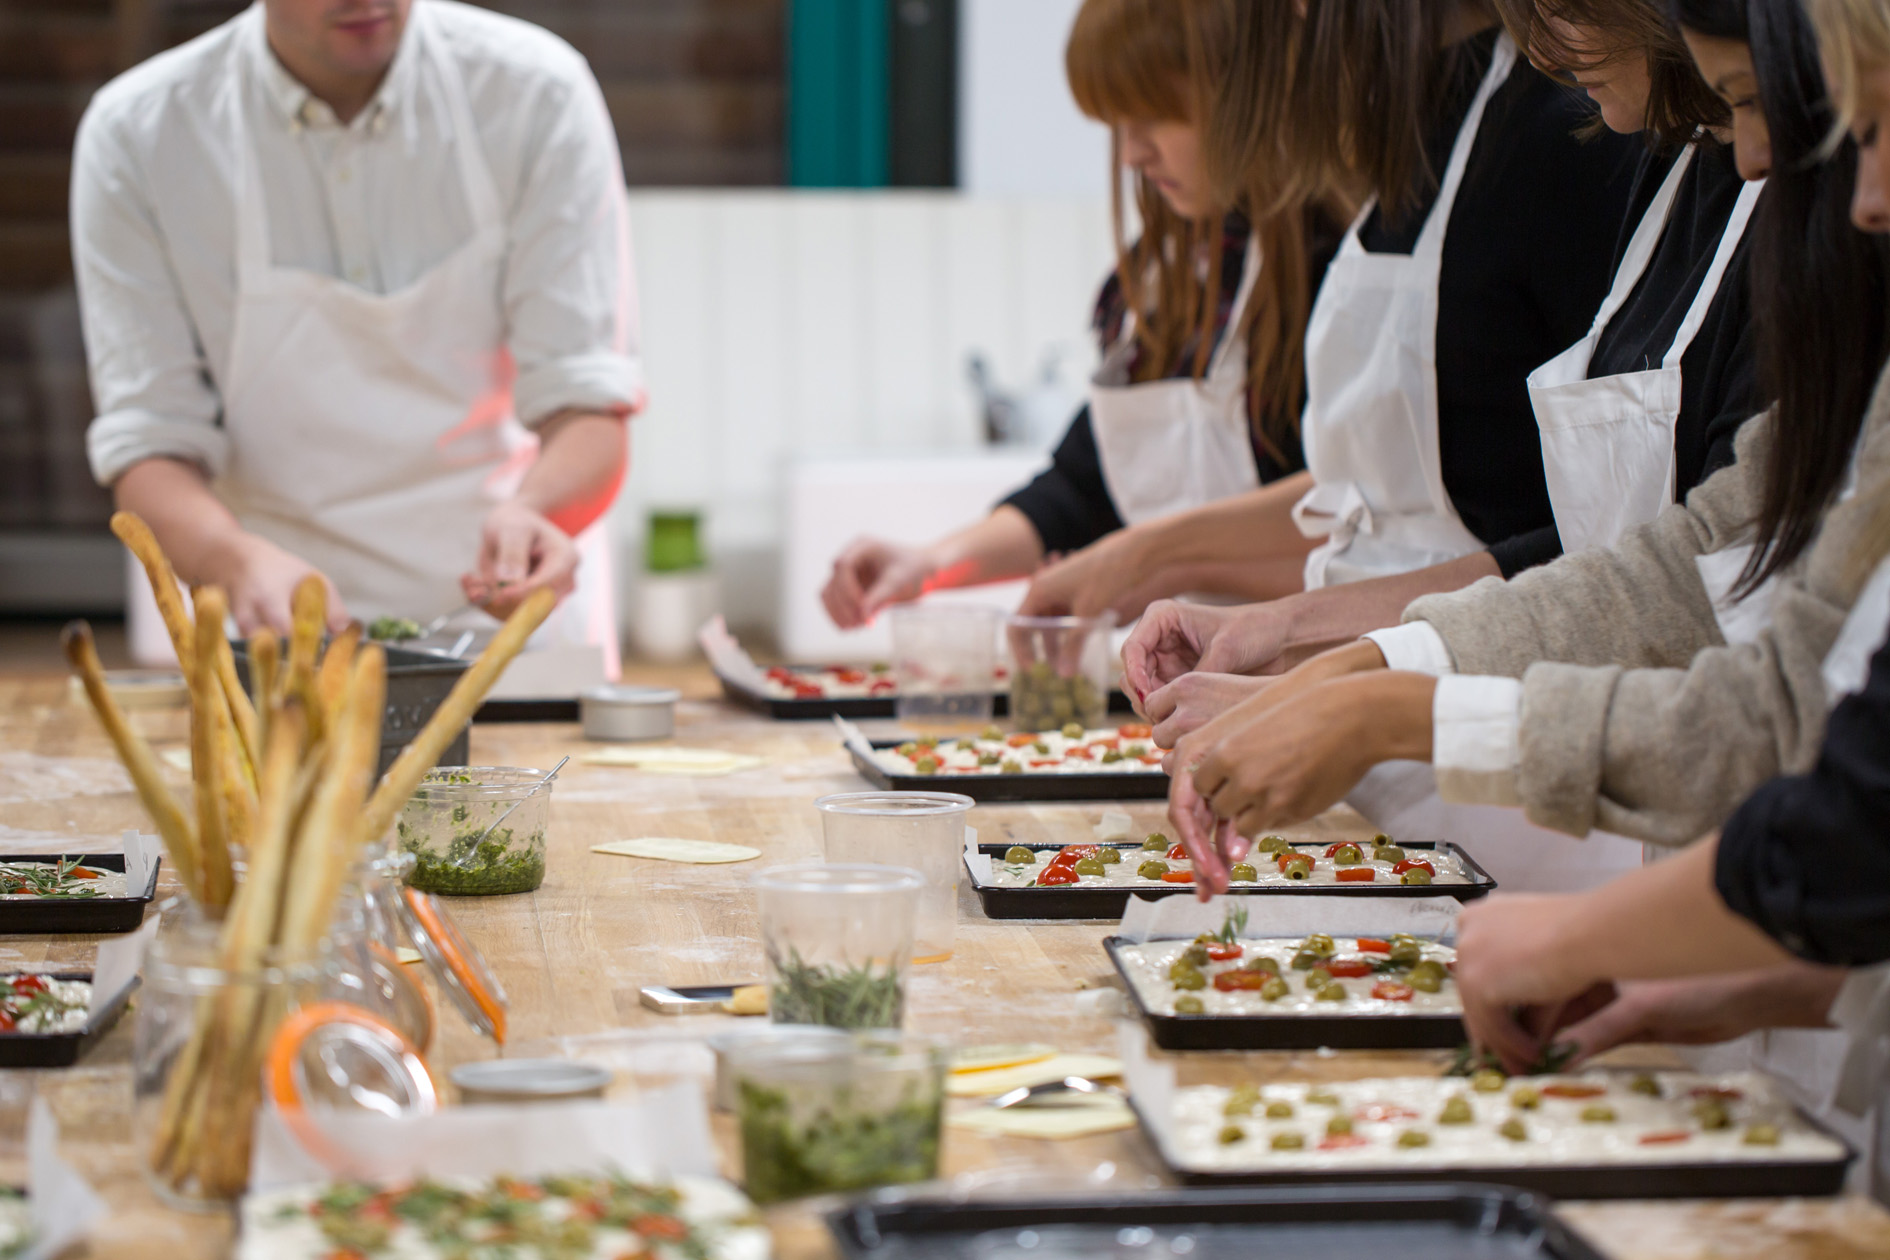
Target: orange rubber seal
(446, 940)
(286, 1046)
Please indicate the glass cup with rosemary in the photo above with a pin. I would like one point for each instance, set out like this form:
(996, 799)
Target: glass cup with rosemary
(838, 939)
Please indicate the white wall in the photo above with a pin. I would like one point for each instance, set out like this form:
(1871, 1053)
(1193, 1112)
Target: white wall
(779, 324)
(1019, 133)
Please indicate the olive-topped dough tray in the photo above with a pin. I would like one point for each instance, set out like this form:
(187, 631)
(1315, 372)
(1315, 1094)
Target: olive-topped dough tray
(1108, 902)
(61, 1049)
(1089, 785)
(1289, 1030)
(884, 705)
(1446, 1221)
(101, 915)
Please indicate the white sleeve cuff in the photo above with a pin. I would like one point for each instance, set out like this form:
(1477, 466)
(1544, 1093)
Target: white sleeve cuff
(1476, 739)
(1414, 646)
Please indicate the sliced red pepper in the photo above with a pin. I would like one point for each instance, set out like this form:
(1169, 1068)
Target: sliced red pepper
(1022, 739)
(1284, 858)
(850, 676)
(28, 984)
(1573, 1091)
(83, 872)
(1343, 844)
(880, 686)
(1135, 730)
(1392, 991)
(1056, 875)
(1105, 741)
(1347, 968)
(1665, 1138)
(656, 1226)
(1371, 945)
(1038, 763)
(1222, 953)
(1356, 875)
(1076, 852)
(1412, 864)
(807, 691)
(780, 675)
(1078, 752)
(1177, 852)
(1177, 877)
(1240, 979)
(1342, 1141)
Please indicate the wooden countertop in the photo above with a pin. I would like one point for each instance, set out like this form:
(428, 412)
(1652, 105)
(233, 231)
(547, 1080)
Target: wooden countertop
(573, 956)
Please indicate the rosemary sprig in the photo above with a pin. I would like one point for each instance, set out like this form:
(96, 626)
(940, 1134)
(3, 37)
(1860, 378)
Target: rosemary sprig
(849, 997)
(55, 882)
(1233, 925)
(1468, 1062)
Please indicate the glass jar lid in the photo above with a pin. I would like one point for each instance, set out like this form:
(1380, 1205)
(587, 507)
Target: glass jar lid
(332, 1059)
(464, 975)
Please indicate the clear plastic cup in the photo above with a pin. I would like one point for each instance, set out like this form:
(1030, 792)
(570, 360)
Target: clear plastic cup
(838, 939)
(1061, 671)
(477, 830)
(945, 662)
(921, 830)
(821, 1118)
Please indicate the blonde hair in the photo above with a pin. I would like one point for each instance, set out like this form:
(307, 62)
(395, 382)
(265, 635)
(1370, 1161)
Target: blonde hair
(1854, 36)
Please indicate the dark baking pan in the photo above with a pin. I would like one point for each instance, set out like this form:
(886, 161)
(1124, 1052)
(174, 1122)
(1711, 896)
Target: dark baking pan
(52, 1050)
(1742, 1180)
(1444, 1221)
(1290, 1031)
(416, 684)
(89, 914)
(1141, 786)
(792, 710)
(527, 710)
(1077, 902)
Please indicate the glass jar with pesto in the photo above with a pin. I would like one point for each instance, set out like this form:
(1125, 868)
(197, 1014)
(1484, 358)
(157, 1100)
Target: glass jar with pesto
(477, 830)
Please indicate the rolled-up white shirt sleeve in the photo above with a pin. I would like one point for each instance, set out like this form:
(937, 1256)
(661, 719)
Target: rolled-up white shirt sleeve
(151, 388)
(570, 296)
(1476, 739)
(1415, 647)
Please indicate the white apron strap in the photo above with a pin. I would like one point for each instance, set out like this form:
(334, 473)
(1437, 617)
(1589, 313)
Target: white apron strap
(1430, 242)
(1232, 348)
(1641, 246)
(1722, 259)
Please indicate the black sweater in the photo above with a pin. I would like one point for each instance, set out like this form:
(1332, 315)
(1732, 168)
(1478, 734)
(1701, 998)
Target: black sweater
(1527, 260)
(1807, 857)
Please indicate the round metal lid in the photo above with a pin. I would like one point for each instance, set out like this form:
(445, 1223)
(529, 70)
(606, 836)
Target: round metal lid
(464, 975)
(534, 1078)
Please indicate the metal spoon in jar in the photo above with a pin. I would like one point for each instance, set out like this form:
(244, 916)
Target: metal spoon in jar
(465, 859)
(1025, 1095)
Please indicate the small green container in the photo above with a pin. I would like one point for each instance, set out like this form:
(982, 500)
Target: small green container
(674, 544)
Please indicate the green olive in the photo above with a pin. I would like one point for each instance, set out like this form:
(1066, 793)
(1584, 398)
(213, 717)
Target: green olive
(1317, 979)
(1273, 844)
(1317, 1097)
(1279, 1109)
(966, 745)
(1042, 749)
(1091, 866)
(1644, 1084)
(1513, 1129)
(1347, 855)
(1761, 1135)
(1427, 976)
(1456, 1111)
(1153, 868)
(1273, 990)
(1111, 756)
(1406, 953)
(1010, 767)
(1416, 876)
(1072, 730)
(1243, 873)
(1525, 1098)
(1196, 954)
(1413, 1138)
(1109, 855)
(988, 759)
(1189, 1004)
(908, 749)
(1298, 869)
(1185, 977)
(1333, 992)
(1288, 1142)
(1261, 962)
(1711, 1113)
(991, 732)
(1135, 750)
(1231, 1133)
(1180, 967)
(1380, 840)
(1321, 944)
(1597, 1113)
(1156, 843)
(1304, 960)
(1240, 1102)
(1018, 855)
(1387, 853)
(925, 765)
(1488, 1081)
(1339, 1126)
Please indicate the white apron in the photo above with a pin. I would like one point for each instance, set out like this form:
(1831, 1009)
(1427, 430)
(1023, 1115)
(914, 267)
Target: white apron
(1166, 446)
(1371, 394)
(370, 434)
(1607, 442)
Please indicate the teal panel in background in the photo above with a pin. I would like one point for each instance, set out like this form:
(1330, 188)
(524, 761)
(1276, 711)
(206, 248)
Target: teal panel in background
(838, 93)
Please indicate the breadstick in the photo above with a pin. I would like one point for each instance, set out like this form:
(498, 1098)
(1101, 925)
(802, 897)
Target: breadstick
(454, 712)
(333, 675)
(242, 712)
(137, 536)
(139, 761)
(264, 656)
(329, 839)
(209, 753)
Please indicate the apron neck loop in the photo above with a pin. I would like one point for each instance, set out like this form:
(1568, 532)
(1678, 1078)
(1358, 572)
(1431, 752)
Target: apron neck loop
(1722, 259)
(1430, 242)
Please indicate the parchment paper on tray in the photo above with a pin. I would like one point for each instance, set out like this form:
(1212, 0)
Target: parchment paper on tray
(1290, 914)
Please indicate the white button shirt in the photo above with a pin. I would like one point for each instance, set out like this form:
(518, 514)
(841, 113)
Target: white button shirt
(376, 203)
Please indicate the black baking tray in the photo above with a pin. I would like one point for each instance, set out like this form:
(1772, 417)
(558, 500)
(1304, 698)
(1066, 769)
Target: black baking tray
(417, 682)
(792, 710)
(1289, 1031)
(52, 1050)
(101, 915)
(527, 710)
(1141, 786)
(1109, 903)
(1444, 1221)
(1728, 1180)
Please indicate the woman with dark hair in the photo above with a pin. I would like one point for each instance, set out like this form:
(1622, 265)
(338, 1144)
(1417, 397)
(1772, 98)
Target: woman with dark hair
(1601, 691)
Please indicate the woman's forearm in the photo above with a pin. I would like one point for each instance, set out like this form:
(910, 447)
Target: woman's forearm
(583, 457)
(1242, 528)
(196, 531)
(1332, 615)
(1002, 546)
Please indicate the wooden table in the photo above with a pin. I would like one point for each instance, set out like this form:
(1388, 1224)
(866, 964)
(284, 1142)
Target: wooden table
(574, 955)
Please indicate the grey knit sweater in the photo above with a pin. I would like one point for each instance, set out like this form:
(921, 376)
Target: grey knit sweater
(1637, 716)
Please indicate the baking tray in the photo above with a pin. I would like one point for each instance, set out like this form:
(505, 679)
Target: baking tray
(885, 706)
(1142, 786)
(101, 915)
(52, 1050)
(527, 710)
(416, 684)
(1109, 903)
(1754, 1180)
(1292, 1031)
(1444, 1221)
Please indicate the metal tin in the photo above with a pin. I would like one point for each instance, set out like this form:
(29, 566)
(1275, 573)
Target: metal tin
(529, 1081)
(629, 712)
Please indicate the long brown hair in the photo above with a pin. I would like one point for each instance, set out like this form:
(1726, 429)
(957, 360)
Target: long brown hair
(1679, 102)
(1159, 60)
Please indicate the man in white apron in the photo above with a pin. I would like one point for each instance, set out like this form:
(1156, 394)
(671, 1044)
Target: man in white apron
(330, 254)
